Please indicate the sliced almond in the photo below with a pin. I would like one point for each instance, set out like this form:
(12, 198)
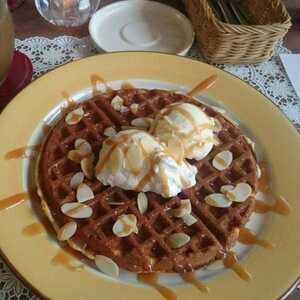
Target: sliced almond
(78, 142)
(124, 109)
(226, 188)
(67, 231)
(107, 265)
(110, 131)
(258, 171)
(222, 160)
(176, 149)
(117, 103)
(76, 179)
(134, 108)
(85, 149)
(76, 210)
(189, 220)
(250, 142)
(75, 156)
(74, 116)
(134, 158)
(177, 240)
(185, 208)
(142, 122)
(87, 167)
(142, 202)
(240, 193)
(84, 193)
(147, 145)
(115, 161)
(217, 125)
(217, 200)
(125, 225)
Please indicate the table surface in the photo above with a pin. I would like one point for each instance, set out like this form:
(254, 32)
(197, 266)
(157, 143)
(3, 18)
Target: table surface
(28, 23)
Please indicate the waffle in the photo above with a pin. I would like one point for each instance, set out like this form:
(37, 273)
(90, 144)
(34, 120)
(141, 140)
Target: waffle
(215, 231)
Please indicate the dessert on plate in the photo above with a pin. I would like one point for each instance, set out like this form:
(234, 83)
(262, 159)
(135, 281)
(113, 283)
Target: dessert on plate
(147, 180)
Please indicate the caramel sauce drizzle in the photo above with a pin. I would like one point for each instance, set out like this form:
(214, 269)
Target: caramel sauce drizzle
(70, 103)
(281, 207)
(94, 80)
(13, 200)
(189, 277)
(152, 280)
(231, 262)
(127, 86)
(33, 229)
(203, 85)
(65, 259)
(21, 152)
(248, 238)
(164, 181)
(46, 128)
(123, 139)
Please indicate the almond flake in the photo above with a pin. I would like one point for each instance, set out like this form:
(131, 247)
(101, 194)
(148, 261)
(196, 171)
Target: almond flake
(107, 265)
(75, 156)
(117, 103)
(67, 231)
(74, 116)
(78, 142)
(185, 208)
(250, 142)
(222, 160)
(240, 193)
(76, 210)
(217, 200)
(87, 166)
(147, 145)
(176, 149)
(258, 171)
(134, 158)
(76, 179)
(225, 188)
(109, 131)
(115, 161)
(84, 193)
(125, 225)
(177, 240)
(134, 108)
(142, 122)
(189, 220)
(85, 149)
(124, 109)
(142, 202)
(217, 125)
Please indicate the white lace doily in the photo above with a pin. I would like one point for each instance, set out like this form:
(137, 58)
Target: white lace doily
(269, 78)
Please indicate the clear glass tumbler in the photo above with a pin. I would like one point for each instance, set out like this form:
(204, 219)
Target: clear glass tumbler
(67, 13)
(7, 40)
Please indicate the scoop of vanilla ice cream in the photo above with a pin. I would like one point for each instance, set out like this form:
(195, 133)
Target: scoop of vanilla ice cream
(189, 124)
(135, 160)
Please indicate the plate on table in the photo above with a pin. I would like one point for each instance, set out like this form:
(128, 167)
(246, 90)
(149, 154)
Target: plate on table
(36, 256)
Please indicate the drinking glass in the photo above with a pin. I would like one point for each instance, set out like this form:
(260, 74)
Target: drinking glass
(67, 13)
(7, 40)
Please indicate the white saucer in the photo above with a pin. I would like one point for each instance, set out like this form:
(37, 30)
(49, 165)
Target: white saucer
(141, 25)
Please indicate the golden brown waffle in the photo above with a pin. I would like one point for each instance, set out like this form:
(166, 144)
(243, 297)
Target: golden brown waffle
(216, 228)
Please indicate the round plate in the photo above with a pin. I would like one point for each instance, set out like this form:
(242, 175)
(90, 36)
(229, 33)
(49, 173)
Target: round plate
(273, 271)
(141, 25)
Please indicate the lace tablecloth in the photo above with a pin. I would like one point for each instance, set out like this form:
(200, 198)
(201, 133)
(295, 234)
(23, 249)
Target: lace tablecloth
(269, 78)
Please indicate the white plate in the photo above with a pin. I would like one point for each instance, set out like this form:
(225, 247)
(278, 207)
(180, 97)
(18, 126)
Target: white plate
(141, 25)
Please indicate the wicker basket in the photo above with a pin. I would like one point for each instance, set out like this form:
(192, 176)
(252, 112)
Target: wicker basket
(221, 42)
